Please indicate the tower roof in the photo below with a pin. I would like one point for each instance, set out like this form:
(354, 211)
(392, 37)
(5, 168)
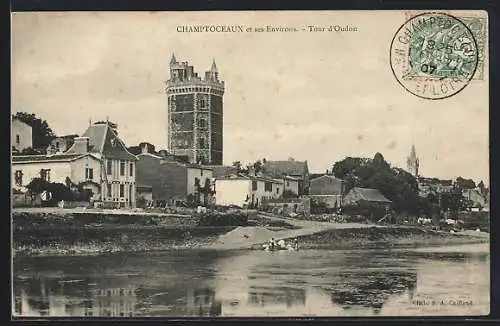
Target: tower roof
(214, 66)
(173, 60)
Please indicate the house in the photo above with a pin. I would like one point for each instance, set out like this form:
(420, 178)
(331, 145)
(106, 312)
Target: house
(474, 199)
(427, 186)
(62, 143)
(366, 201)
(290, 168)
(246, 190)
(82, 168)
(328, 190)
(118, 179)
(172, 181)
(291, 184)
(21, 135)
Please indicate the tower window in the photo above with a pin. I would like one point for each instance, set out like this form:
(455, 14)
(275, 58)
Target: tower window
(201, 142)
(18, 140)
(203, 103)
(122, 190)
(202, 123)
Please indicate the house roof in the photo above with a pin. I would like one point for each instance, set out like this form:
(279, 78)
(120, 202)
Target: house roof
(249, 177)
(222, 170)
(104, 140)
(280, 168)
(368, 194)
(164, 159)
(326, 176)
(49, 158)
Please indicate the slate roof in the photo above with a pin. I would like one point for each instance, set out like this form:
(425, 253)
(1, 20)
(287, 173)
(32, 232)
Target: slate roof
(47, 158)
(103, 140)
(371, 195)
(222, 170)
(281, 168)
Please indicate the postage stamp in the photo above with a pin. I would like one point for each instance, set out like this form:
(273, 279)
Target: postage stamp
(478, 25)
(434, 55)
(249, 164)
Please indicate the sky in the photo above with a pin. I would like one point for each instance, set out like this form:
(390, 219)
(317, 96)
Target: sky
(315, 96)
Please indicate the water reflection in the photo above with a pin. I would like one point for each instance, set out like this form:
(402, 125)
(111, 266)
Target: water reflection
(246, 284)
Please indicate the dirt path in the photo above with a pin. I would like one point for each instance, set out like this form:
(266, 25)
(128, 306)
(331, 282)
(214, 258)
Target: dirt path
(249, 237)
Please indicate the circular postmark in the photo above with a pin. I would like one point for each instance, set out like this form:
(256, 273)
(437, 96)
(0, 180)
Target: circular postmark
(434, 55)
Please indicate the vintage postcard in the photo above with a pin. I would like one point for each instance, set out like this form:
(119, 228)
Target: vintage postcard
(242, 164)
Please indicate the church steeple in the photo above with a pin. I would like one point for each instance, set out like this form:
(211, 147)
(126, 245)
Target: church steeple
(173, 61)
(412, 162)
(214, 67)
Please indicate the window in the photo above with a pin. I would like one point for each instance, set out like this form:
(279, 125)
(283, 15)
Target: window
(18, 140)
(109, 165)
(109, 190)
(196, 182)
(201, 172)
(131, 169)
(277, 190)
(122, 167)
(201, 142)
(57, 144)
(268, 186)
(288, 183)
(202, 123)
(254, 185)
(18, 178)
(45, 174)
(122, 190)
(89, 173)
(203, 102)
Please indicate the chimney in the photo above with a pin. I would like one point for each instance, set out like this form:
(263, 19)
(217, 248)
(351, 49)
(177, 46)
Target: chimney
(144, 149)
(81, 145)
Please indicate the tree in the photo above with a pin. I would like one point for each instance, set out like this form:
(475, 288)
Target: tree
(42, 133)
(482, 188)
(465, 183)
(287, 193)
(396, 184)
(238, 166)
(258, 166)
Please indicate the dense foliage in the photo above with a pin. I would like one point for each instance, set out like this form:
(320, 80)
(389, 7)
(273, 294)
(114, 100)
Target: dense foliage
(396, 184)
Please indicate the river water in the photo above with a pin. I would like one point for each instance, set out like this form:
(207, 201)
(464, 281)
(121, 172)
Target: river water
(405, 282)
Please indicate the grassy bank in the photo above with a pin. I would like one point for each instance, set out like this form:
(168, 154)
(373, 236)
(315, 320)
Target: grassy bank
(63, 233)
(388, 237)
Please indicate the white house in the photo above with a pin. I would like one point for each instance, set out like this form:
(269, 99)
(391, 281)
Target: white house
(21, 135)
(83, 168)
(242, 190)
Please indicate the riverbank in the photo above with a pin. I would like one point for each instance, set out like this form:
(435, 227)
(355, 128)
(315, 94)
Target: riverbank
(62, 232)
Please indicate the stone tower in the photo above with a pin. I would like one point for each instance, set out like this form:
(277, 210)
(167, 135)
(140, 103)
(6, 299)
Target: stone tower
(195, 113)
(412, 162)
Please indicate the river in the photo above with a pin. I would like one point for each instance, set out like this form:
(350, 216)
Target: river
(404, 282)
